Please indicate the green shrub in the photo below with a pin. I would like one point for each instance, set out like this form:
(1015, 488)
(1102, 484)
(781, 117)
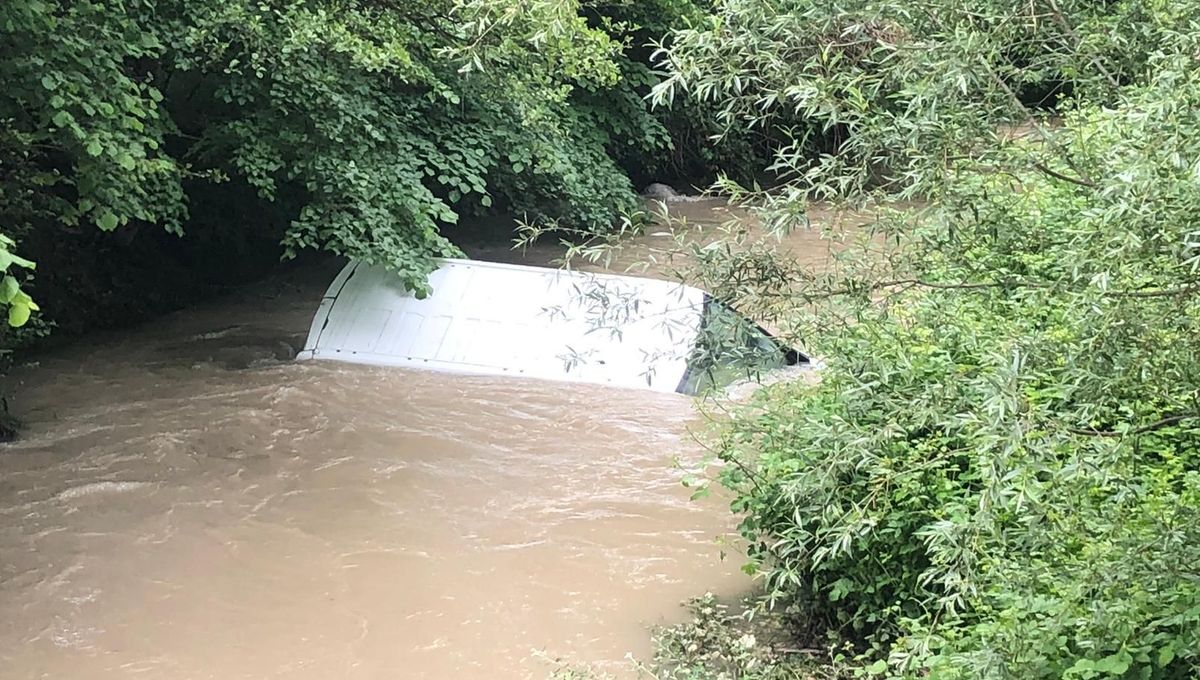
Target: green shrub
(1000, 482)
(996, 472)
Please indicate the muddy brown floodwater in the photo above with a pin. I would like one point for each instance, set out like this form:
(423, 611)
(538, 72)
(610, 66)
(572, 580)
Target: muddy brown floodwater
(187, 503)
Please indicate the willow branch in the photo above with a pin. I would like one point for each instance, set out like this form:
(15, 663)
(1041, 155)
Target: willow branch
(1066, 178)
(1156, 425)
(977, 285)
(1156, 292)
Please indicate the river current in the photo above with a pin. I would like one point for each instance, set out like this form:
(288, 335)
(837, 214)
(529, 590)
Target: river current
(186, 502)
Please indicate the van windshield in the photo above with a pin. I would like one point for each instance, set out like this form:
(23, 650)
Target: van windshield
(730, 347)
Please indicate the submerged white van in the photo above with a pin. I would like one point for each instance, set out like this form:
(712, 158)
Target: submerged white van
(499, 319)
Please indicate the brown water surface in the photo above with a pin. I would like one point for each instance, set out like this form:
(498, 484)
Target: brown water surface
(187, 503)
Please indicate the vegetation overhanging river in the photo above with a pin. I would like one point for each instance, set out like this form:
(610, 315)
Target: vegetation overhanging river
(186, 503)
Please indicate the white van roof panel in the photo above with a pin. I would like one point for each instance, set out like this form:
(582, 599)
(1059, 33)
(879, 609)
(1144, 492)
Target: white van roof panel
(499, 319)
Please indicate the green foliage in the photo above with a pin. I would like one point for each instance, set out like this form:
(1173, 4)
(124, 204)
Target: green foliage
(875, 77)
(81, 138)
(19, 304)
(391, 122)
(997, 474)
(373, 126)
(682, 141)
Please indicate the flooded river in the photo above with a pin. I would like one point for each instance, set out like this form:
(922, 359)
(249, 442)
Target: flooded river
(186, 503)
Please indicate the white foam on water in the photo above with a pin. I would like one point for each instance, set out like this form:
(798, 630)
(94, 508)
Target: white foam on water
(95, 488)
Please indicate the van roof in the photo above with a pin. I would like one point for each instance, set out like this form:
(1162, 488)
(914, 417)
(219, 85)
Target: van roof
(502, 319)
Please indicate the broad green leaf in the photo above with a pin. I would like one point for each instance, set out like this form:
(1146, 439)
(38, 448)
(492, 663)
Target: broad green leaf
(879, 667)
(18, 314)
(9, 289)
(1115, 664)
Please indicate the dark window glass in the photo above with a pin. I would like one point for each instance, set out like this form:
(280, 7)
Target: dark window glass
(731, 347)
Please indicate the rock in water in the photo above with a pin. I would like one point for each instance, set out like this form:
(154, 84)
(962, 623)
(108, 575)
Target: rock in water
(660, 192)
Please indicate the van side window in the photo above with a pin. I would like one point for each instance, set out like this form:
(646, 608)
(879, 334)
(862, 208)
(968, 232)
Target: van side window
(730, 347)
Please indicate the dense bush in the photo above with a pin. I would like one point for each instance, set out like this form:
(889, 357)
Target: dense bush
(997, 474)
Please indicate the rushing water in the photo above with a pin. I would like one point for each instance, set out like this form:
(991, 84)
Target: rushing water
(186, 503)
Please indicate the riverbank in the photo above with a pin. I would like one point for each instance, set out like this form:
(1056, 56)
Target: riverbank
(722, 641)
